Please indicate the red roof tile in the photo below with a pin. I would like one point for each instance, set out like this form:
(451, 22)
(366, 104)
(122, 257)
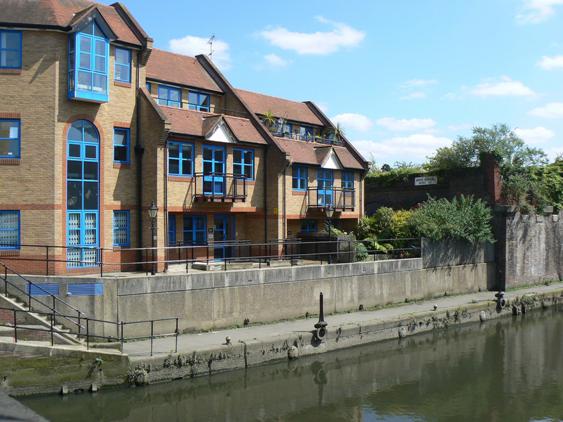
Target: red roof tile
(280, 107)
(195, 123)
(179, 69)
(313, 154)
(60, 13)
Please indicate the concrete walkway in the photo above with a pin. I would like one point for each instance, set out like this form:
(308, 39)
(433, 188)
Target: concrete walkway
(188, 343)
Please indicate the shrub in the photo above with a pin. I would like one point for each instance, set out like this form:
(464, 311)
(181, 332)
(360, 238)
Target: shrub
(462, 218)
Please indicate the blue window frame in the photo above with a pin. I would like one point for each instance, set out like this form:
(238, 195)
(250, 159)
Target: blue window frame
(299, 180)
(306, 133)
(82, 194)
(149, 87)
(171, 229)
(180, 159)
(88, 65)
(195, 229)
(121, 228)
(348, 180)
(9, 138)
(325, 183)
(169, 96)
(199, 101)
(9, 229)
(213, 170)
(308, 226)
(243, 163)
(10, 49)
(121, 144)
(122, 70)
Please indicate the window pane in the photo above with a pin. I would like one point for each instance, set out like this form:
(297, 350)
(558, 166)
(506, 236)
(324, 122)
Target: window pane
(9, 129)
(122, 73)
(100, 48)
(90, 195)
(204, 100)
(90, 170)
(174, 166)
(91, 152)
(90, 133)
(11, 58)
(100, 82)
(174, 150)
(74, 151)
(207, 153)
(11, 40)
(100, 64)
(85, 61)
(74, 169)
(207, 168)
(75, 131)
(237, 169)
(186, 167)
(84, 80)
(192, 98)
(119, 137)
(248, 172)
(248, 157)
(174, 94)
(73, 195)
(122, 56)
(85, 45)
(120, 153)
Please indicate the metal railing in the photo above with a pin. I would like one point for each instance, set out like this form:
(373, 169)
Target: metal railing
(229, 252)
(87, 335)
(337, 198)
(219, 187)
(305, 137)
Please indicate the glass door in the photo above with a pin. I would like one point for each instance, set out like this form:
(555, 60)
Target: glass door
(325, 182)
(213, 170)
(222, 234)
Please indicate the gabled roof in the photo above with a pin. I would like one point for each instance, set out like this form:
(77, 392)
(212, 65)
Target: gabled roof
(198, 124)
(314, 154)
(60, 14)
(280, 107)
(178, 69)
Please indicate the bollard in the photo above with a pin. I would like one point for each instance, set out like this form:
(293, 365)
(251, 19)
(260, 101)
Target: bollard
(320, 326)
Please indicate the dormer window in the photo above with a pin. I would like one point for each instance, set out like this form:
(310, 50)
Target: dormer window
(88, 64)
(199, 101)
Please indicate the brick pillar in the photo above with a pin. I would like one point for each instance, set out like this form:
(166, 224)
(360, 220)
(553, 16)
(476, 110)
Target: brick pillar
(493, 181)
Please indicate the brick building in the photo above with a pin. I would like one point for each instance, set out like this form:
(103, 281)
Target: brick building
(96, 125)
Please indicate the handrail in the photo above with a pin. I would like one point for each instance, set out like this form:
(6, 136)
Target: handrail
(30, 297)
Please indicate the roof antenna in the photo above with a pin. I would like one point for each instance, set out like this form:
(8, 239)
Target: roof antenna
(210, 42)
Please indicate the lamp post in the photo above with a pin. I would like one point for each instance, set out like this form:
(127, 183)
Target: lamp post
(329, 212)
(153, 210)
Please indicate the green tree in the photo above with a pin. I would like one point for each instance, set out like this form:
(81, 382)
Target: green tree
(511, 151)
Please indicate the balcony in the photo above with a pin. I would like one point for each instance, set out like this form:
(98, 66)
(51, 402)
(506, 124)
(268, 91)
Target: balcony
(307, 138)
(219, 187)
(340, 199)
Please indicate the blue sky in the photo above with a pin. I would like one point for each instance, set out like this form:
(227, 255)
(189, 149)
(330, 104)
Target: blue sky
(402, 77)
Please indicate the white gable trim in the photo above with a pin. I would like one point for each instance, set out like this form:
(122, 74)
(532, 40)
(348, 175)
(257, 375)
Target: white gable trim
(331, 161)
(221, 133)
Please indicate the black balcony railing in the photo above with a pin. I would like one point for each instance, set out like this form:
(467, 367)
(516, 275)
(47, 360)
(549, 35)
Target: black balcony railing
(339, 199)
(219, 187)
(331, 140)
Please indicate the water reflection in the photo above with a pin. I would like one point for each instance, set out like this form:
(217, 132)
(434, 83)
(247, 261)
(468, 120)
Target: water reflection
(508, 370)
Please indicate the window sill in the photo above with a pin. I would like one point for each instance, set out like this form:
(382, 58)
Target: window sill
(299, 192)
(10, 161)
(121, 165)
(180, 178)
(10, 71)
(122, 84)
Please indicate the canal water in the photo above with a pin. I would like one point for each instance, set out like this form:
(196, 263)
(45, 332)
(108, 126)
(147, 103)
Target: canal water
(503, 370)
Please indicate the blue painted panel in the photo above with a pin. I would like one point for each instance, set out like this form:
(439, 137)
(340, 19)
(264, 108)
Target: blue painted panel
(44, 289)
(86, 289)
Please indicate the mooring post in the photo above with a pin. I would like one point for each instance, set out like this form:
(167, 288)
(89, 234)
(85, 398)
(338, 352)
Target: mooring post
(320, 326)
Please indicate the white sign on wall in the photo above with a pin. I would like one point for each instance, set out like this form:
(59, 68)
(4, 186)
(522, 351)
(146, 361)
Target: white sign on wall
(425, 180)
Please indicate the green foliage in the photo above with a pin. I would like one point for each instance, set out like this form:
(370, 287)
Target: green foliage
(511, 152)
(361, 252)
(462, 218)
(387, 175)
(549, 182)
(385, 224)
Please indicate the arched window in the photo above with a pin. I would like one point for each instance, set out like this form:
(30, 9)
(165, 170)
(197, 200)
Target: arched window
(82, 186)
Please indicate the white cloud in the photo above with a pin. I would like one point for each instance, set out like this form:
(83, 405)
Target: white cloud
(418, 83)
(536, 11)
(549, 111)
(353, 121)
(191, 45)
(412, 148)
(505, 87)
(550, 63)
(415, 95)
(535, 136)
(315, 43)
(274, 60)
(405, 125)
